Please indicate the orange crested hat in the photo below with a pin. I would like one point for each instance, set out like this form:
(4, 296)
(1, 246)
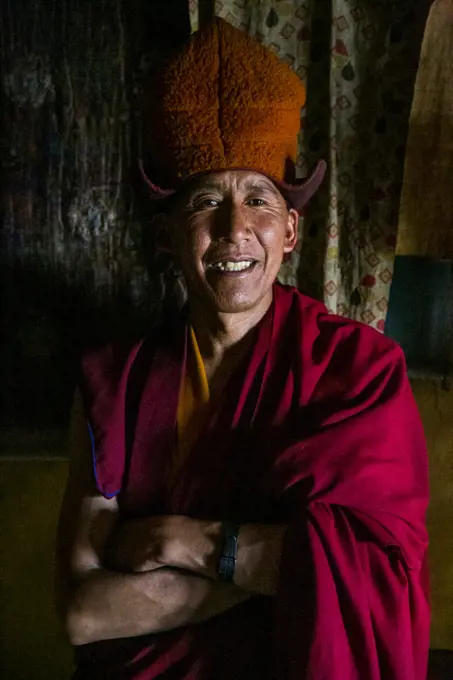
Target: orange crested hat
(224, 102)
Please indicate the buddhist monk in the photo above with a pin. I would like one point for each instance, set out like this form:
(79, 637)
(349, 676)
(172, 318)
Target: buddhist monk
(248, 482)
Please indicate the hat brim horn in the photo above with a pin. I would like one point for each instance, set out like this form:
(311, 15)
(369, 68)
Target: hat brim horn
(297, 194)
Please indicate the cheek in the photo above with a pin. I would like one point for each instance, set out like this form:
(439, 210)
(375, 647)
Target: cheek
(199, 243)
(193, 247)
(272, 237)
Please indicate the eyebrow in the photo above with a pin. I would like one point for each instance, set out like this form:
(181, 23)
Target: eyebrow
(204, 188)
(247, 186)
(260, 186)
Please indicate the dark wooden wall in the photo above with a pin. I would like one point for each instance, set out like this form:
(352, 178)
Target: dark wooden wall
(71, 232)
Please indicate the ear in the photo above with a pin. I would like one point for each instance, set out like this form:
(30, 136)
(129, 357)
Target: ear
(291, 231)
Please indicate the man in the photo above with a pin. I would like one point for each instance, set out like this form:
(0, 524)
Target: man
(256, 508)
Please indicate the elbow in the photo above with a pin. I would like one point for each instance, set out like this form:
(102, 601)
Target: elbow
(80, 628)
(77, 621)
(75, 632)
(77, 626)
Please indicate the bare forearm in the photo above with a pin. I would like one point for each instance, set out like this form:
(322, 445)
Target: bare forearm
(107, 605)
(258, 558)
(195, 546)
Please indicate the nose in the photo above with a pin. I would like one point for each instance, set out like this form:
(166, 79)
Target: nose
(231, 225)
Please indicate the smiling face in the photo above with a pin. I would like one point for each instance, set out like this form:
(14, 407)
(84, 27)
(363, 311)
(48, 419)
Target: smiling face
(229, 231)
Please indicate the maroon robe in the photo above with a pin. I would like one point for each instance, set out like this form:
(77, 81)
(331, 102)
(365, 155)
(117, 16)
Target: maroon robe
(318, 430)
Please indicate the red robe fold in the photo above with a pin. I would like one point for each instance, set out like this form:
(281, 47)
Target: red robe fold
(317, 429)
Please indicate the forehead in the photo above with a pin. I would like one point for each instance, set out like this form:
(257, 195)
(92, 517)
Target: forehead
(232, 180)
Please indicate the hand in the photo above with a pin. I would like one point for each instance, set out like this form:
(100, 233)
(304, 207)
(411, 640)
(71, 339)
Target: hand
(174, 541)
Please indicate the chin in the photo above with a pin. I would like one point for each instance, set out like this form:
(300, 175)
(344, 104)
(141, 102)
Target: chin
(234, 307)
(232, 297)
(238, 301)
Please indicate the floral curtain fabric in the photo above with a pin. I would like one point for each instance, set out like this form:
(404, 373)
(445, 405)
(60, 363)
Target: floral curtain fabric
(359, 61)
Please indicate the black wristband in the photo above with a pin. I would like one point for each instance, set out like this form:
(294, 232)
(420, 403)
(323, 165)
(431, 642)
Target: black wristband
(227, 562)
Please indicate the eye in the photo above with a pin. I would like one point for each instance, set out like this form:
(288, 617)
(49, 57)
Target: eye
(256, 202)
(210, 202)
(205, 202)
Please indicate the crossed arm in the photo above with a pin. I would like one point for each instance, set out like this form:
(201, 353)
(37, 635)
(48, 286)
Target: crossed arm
(127, 578)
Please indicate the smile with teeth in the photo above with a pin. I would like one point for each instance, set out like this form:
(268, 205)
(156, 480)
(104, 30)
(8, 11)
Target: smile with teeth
(230, 266)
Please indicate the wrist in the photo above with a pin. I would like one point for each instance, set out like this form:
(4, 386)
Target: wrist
(258, 558)
(195, 546)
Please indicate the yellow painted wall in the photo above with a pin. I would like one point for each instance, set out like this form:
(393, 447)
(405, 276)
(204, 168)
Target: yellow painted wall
(32, 644)
(33, 647)
(436, 408)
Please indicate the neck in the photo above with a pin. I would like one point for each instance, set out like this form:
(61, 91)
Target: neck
(221, 333)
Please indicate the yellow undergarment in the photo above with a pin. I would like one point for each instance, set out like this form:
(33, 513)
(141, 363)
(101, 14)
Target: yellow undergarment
(193, 401)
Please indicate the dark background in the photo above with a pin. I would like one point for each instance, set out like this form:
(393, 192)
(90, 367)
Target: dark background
(71, 266)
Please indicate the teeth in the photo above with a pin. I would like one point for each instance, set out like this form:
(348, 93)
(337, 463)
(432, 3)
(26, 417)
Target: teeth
(229, 266)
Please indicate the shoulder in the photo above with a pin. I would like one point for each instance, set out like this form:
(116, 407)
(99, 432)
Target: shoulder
(107, 362)
(323, 329)
(102, 371)
(110, 358)
(339, 351)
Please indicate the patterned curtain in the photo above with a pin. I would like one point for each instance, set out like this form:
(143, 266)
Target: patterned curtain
(359, 61)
